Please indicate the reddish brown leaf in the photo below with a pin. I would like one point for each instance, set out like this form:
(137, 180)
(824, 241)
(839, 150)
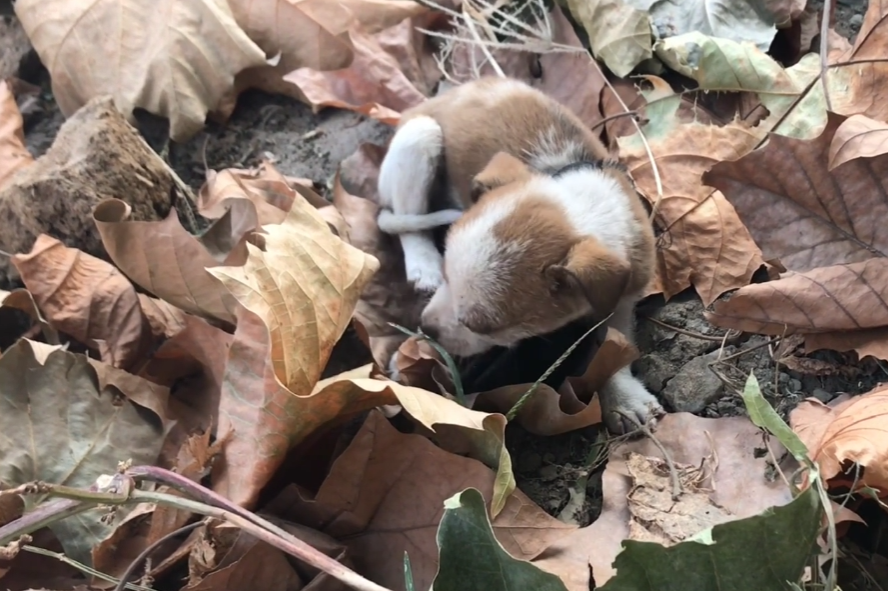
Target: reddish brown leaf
(88, 299)
(13, 153)
(840, 297)
(373, 84)
(855, 430)
(397, 504)
(872, 342)
(801, 212)
(862, 71)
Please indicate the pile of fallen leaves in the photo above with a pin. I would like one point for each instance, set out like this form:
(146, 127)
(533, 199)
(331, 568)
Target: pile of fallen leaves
(163, 418)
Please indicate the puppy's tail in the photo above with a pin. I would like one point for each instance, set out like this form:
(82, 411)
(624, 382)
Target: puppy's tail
(403, 223)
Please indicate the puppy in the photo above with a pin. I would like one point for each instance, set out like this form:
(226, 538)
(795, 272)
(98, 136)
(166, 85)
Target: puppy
(546, 229)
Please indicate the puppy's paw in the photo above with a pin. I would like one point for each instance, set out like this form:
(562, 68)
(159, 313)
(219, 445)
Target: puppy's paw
(627, 400)
(393, 372)
(426, 277)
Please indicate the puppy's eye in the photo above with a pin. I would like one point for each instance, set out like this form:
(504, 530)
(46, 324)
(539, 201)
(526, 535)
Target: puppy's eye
(478, 323)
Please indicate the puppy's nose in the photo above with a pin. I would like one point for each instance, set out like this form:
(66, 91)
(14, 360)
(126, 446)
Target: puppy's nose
(430, 331)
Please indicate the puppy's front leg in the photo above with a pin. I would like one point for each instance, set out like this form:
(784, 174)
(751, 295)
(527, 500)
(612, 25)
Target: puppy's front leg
(405, 184)
(624, 394)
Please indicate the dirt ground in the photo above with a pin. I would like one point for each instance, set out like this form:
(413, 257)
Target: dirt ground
(676, 341)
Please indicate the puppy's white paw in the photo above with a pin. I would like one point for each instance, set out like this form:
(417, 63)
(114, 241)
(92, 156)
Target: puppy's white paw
(423, 264)
(426, 279)
(624, 397)
(393, 372)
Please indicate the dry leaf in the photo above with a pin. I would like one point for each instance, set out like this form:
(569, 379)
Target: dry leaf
(13, 153)
(163, 258)
(871, 342)
(385, 495)
(741, 485)
(859, 76)
(298, 297)
(703, 242)
(855, 430)
(88, 299)
(858, 137)
(174, 58)
(373, 84)
(839, 297)
(799, 211)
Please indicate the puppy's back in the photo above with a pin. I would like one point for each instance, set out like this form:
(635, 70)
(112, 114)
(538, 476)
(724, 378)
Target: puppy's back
(490, 115)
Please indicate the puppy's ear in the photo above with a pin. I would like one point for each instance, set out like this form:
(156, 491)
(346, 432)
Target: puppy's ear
(600, 274)
(502, 169)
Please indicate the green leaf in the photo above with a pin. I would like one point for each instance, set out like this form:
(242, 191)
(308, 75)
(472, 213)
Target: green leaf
(471, 558)
(763, 415)
(618, 34)
(60, 426)
(408, 574)
(766, 552)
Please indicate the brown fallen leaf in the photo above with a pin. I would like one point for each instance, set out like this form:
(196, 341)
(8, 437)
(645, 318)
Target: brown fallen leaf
(373, 84)
(858, 137)
(856, 431)
(13, 153)
(288, 323)
(163, 258)
(862, 70)
(869, 342)
(88, 299)
(834, 298)
(801, 212)
(180, 76)
(740, 485)
(703, 242)
(396, 505)
(165, 319)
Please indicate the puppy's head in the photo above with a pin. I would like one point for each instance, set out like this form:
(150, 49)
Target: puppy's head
(515, 267)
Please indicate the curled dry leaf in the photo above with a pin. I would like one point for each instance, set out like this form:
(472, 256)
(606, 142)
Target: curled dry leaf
(88, 299)
(373, 84)
(870, 342)
(855, 430)
(482, 434)
(174, 58)
(741, 485)
(397, 504)
(163, 258)
(620, 34)
(703, 242)
(858, 137)
(297, 299)
(13, 153)
(74, 447)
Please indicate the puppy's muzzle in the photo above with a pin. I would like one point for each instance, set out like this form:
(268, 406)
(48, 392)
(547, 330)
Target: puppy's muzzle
(431, 331)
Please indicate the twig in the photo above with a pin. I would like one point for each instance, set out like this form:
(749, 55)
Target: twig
(825, 18)
(688, 333)
(516, 408)
(774, 460)
(745, 351)
(610, 118)
(673, 472)
(470, 24)
(121, 491)
(82, 567)
(143, 556)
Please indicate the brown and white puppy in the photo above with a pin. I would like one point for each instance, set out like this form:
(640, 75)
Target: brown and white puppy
(551, 231)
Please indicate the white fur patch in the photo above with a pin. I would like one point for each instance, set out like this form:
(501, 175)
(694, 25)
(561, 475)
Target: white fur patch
(549, 152)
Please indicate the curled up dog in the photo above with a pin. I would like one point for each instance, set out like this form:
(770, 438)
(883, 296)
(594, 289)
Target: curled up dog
(546, 229)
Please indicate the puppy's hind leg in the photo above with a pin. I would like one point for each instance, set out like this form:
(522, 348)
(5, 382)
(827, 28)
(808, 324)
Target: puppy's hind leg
(624, 395)
(405, 185)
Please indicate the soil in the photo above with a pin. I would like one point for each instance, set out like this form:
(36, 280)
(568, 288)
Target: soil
(674, 337)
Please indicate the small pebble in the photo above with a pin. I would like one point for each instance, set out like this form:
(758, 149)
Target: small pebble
(822, 395)
(856, 20)
(549, 472)
(795, 385)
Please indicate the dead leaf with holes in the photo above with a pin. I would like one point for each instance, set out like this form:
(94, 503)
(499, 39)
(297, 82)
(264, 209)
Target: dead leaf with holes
(855, 431)
(13, 153)
(736, 478)
(287, 324)
(703, 242)
(173, 58)
(825, 226)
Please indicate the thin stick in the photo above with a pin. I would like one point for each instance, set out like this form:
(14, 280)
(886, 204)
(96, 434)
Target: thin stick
(745, 351)
(825, 18)
(144, 554)
(673, 472)
(81, 567)
(470, 23)
(688, 333)
(610, 118)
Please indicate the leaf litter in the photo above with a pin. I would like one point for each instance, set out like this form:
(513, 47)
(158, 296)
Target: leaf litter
(212, 355)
